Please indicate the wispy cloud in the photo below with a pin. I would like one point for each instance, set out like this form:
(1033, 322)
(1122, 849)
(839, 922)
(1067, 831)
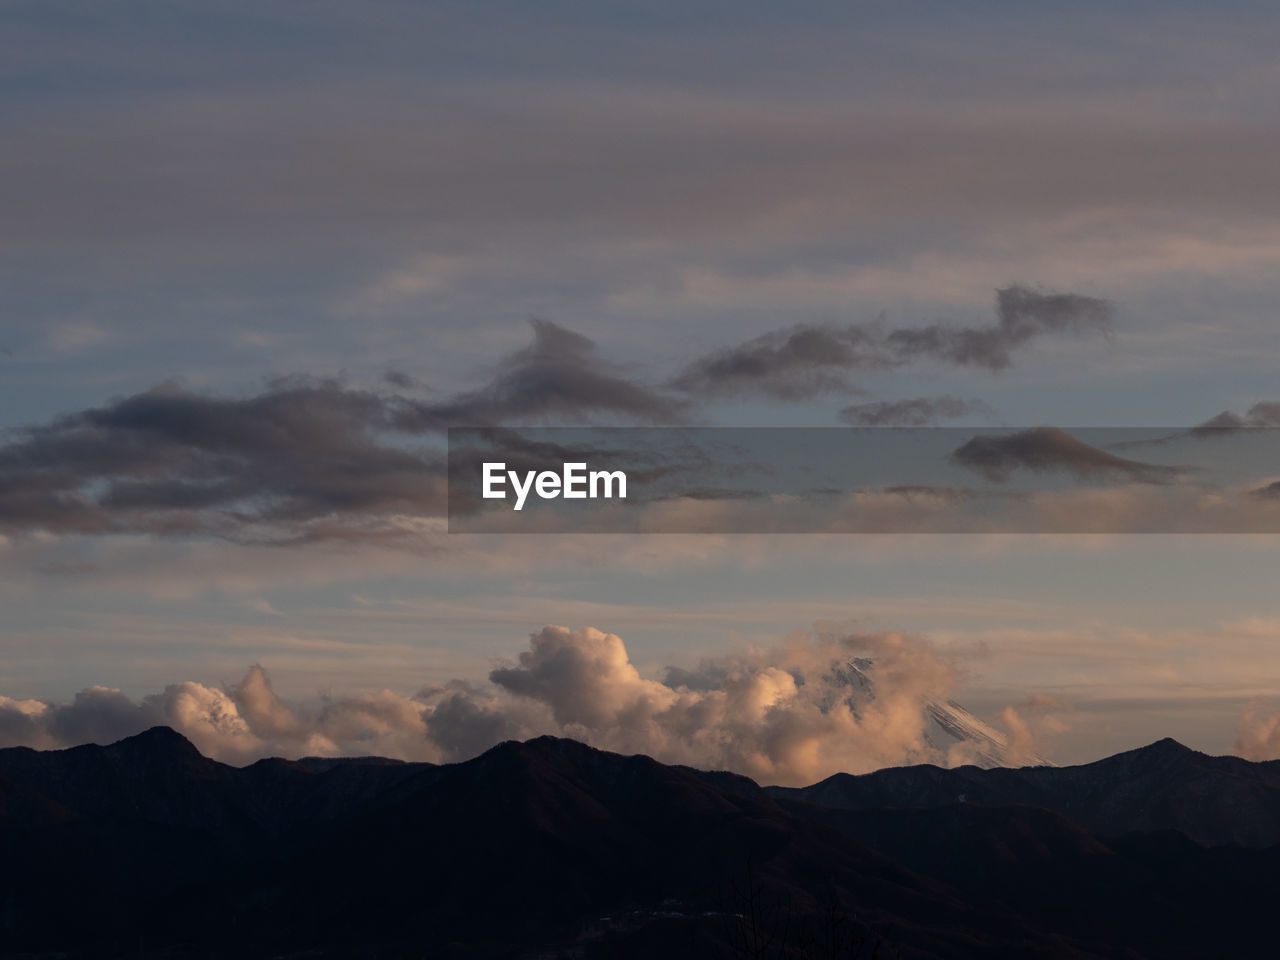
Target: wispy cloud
(1046, 449)
(71, 337)
(805, 361)
(561, 377)
(916, 412)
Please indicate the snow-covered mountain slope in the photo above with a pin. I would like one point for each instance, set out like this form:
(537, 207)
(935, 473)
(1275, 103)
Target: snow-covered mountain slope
(948, 725)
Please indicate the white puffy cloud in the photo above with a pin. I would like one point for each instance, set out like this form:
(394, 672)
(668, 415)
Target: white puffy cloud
(1031, 725)
(787, 714)
(1259, 734)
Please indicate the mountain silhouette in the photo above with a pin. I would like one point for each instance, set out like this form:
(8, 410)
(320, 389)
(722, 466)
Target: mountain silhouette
(1164, 786)
(550, 848)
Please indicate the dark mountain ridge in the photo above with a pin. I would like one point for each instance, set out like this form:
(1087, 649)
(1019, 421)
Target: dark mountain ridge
(551, 848)
(1163, 786)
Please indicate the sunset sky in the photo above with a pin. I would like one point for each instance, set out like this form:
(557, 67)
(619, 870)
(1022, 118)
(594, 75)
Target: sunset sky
(254, 259)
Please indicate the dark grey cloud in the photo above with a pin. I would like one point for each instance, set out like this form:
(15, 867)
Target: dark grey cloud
(805, 361)
(310, 459)
(401, 380)
(1260, 415)
(171, 461)
(560, 377)
(917, 412)
(305, 459)
(1022, 315)
(791, 364)
(1269, 492)
(464, 726)
(1046, 449)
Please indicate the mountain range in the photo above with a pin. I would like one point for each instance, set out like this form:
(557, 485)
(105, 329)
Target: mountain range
(550, 848)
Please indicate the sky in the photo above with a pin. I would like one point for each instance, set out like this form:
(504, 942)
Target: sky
(255, 260)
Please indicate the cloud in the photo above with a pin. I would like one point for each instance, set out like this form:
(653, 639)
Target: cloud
(785, 714)
(791, 364)
(401, 380)
(237, 725)
(70, 337)
(22, 722)
(692, 159)
(1260, 415)
(1259, 732)
(809, 360)
(585, 677)
(1022, 315)
(779, 714)
(1270, 491)
(917, 412)
(1043, 449)
(1131, 504)
(316, 459)
(561, 377)
(207, 716)
(263, 710)
(307, 459)
(1032, 726)
(466, 721)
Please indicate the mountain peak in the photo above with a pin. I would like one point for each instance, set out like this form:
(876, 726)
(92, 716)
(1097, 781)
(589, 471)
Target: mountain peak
(551, 743)
(160, 739)
(1167, 746)
(1166, 752)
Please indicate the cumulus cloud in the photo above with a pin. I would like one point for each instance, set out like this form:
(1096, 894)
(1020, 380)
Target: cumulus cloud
(236, 725)
(207, 716)
(809, 360)
(1032, 726)
(1259, 732)
(786, 714)
(917, 412)
(1044, 449)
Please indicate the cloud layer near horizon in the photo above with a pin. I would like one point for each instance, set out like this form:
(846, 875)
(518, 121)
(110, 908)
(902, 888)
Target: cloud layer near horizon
(785, 714)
